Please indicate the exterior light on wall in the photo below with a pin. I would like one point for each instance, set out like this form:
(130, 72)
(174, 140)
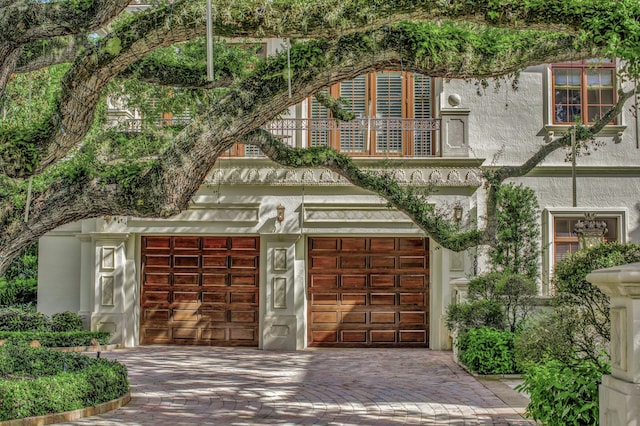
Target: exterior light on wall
(457, 213)
(280, 213)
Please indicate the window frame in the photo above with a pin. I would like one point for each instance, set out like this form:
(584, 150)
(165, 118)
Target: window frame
(549, 237)
(407, 99)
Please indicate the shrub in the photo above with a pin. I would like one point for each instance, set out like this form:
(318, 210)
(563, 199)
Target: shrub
(16, 319)
(57, 382)
(55, 339)
(496, 300)
(487, 351)
(516, 249)
(563, 394)
(21, 291)
(66, 321)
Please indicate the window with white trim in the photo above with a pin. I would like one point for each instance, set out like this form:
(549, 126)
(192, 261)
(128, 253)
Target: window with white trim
(583, 91)
(565, 241)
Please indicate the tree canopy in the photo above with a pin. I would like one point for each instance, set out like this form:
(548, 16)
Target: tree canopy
(59, 163)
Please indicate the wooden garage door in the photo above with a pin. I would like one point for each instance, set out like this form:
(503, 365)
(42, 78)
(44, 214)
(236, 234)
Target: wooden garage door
(368, 292)
(200, 290)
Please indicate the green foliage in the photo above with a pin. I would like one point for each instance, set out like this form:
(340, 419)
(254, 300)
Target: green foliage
(55, 339)
(574, 290)
(66, 321)
(25, 266)
(40, 381)
(475, 314)
(16, 319)
(517, 248)
(498, 300)
(564, 394)
(18, 292)
(486, 350)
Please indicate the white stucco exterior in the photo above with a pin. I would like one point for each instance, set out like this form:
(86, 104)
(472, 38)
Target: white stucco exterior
(93, 267)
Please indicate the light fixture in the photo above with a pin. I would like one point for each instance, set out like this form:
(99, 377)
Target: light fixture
(280, 213)
(457, 213)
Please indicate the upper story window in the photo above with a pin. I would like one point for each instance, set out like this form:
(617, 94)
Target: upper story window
(565, 241)
(393, 116)
(583, 91)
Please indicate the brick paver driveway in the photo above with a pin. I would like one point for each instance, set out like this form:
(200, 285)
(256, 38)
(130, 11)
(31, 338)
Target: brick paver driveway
(177, 385)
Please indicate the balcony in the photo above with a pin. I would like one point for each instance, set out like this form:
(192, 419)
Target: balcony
(362, 137)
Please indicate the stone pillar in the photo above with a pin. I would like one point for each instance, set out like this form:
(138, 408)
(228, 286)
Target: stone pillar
(620, 391)
(281, 293)
(110, 306)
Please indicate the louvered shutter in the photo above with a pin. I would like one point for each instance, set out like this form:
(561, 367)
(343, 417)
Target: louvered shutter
(353, 133)
(422, 110)
(388, 105)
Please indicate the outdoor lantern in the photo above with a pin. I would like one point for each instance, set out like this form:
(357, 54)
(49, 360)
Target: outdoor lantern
(457, 213)
(280, 213)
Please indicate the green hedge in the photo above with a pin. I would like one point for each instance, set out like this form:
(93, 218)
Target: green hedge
(55, 339)
(486, 350)
(563, 394)
(39, 381)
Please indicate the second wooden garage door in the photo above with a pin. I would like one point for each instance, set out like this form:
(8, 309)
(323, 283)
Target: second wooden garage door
(200, 290)
(368, 292)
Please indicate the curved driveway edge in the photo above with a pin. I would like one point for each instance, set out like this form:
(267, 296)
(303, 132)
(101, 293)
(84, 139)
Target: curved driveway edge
(178, 385)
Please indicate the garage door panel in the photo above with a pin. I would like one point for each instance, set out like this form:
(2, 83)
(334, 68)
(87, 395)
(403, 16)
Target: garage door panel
(214, 334)
(213, 315)
(322, 317)
(408, 262)
(354, 317)
(214, 280)
(324, 281)
(383, 336)
(186, 243)
(151, 314)
(354, 281)
(383, 262)
(200, 290)
(155, 243)
(243, 316)
(383, 317)
(413, 318)
(412, 299)
(243, 280)
(324, 244)
(185, 279)
(383, 245)
(319, 336)
(185, 314)
(353, 244)
(214, 297)
(324, 299)
(378, 281)
(382, 297)
(413, 336)
(353, 262)
(158, 261)
(157, 278)
(214, 262)
(354, 299)
(413, 281)
(354, 336)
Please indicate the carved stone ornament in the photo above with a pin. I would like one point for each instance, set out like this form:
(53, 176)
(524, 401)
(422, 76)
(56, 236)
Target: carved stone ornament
(590, 231)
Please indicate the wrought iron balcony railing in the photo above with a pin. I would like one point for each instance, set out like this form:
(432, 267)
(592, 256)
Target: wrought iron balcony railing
(362, 137)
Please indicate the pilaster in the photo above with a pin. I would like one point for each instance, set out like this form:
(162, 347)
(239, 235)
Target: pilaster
(620, 391)
(281, 294)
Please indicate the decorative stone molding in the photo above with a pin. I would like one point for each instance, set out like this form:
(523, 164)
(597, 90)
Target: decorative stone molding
(444, 177)
(206, 212)
(351, 213)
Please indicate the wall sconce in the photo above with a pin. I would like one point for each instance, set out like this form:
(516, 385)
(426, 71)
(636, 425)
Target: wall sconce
(280, 213)
(457, 213)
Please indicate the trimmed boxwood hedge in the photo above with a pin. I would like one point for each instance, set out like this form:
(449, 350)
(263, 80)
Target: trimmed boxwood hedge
(39, 381)
(55, 339)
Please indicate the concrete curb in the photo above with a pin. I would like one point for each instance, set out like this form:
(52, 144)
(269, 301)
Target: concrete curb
(70, 415)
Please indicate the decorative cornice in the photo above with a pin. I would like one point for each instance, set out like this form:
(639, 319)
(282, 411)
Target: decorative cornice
(444, 176)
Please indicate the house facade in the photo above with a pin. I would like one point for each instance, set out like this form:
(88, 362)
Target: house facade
(280, 258)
